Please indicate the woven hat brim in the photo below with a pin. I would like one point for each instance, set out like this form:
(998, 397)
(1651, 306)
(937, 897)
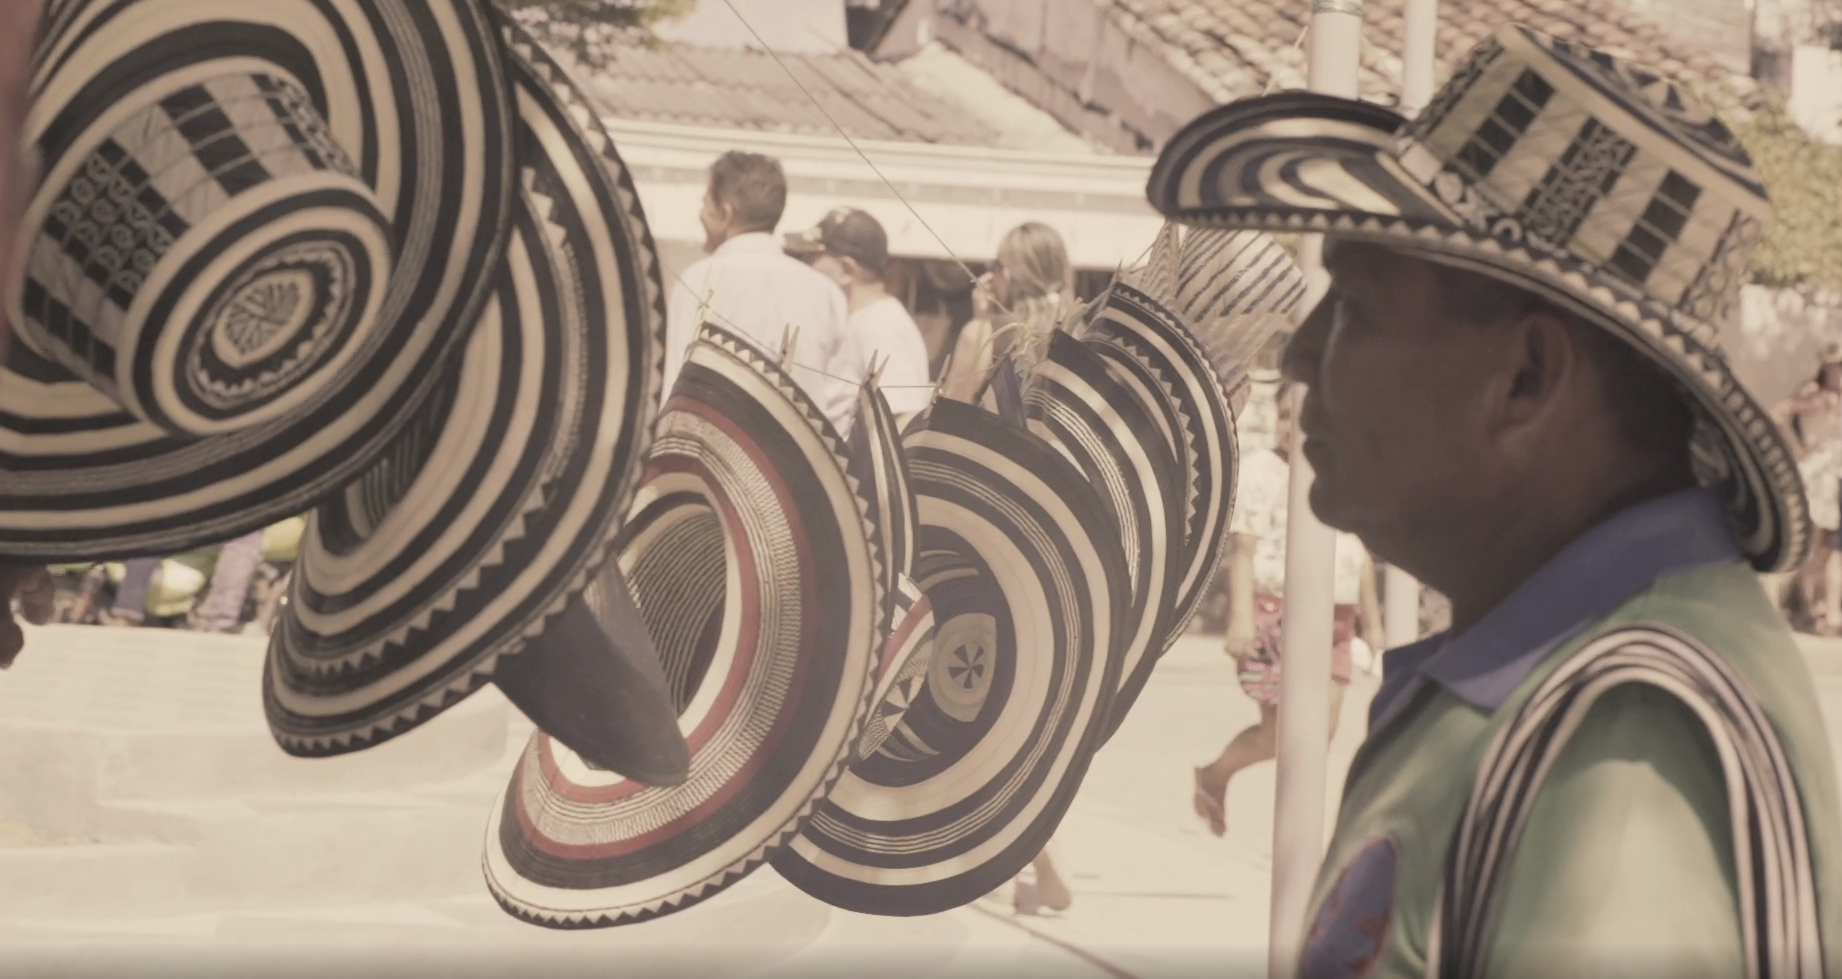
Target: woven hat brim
(593, 682)
(1025, 576)
(1163, 366)
(424, 117)
(503, 496)
(881, 472)
(1075, 401)
(1312, 163)
(768, 634)
(901, 669)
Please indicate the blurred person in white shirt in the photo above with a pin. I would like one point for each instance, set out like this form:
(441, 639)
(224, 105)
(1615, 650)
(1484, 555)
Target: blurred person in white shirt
(1256, 567)
(851, 248)
(747, 284)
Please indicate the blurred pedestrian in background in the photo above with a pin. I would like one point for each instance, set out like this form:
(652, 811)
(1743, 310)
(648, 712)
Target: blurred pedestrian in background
(851, 248)
(749, 285)
(221, 610)
(1256, 568)
(1812, 420)
(1028, 292)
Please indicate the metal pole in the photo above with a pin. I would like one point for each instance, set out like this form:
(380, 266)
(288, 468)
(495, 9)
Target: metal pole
(1304, 696)
(1401, 610)
(1420, 26)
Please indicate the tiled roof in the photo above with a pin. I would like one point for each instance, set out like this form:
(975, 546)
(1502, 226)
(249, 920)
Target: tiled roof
(1237, 48)
(740, 89)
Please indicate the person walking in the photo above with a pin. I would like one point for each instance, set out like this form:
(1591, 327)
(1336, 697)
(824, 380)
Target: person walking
(129, 607)
(1813, 418)
(221, 610)
(1256, 568)
(1024, 297)
(851, 248)
(1614, 762)
(749, 285)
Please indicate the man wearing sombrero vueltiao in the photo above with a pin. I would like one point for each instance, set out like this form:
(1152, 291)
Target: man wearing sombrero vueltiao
(1613, 763)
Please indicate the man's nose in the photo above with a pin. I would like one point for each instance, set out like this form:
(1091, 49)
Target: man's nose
(1303, 352)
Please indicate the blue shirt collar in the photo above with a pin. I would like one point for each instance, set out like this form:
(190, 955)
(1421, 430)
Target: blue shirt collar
(1589, 579)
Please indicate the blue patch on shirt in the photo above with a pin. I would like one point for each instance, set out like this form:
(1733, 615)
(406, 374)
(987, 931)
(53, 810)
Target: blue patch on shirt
(1351, 929)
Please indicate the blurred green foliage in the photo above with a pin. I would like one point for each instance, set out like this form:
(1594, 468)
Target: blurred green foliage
(1803, 249)
(580, 25)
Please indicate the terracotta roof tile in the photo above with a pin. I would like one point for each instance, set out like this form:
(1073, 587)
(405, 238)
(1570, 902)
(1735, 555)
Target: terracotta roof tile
(644, 79)
(1224, 45)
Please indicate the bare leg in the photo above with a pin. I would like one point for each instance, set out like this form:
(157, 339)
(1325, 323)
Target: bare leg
(1252, 746)
(1832, 589)
(1050, 886)
(1810, 581)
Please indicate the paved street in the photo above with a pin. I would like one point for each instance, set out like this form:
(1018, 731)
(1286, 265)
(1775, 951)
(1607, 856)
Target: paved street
(148, 821)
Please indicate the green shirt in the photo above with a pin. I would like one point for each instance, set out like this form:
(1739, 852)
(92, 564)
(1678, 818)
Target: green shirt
(1626, 865)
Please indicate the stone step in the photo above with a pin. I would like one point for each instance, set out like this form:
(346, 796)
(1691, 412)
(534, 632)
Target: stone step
(760, 921)
(91, 880)
(90, 714)
(762, 928)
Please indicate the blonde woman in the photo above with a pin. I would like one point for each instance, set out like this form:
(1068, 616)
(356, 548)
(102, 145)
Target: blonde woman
(1016, 305)
(1026, 295)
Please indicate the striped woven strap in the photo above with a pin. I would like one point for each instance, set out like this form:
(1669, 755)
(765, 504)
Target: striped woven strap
(1771, 851)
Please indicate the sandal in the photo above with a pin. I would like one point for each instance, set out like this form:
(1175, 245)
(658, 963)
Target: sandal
(1211, 809)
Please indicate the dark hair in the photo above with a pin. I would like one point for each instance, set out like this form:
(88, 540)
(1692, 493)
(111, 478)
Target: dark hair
(753, 185)
(1650, 410)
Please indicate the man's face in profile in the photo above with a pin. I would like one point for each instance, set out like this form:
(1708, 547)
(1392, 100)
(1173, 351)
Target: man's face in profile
(1390, 420)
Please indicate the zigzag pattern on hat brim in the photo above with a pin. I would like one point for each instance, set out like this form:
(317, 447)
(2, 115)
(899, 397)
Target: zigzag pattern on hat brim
(595, 503)
(1769, 511)
(747, 369)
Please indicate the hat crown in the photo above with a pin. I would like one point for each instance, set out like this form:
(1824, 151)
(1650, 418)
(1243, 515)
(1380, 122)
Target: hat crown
(1585, 155)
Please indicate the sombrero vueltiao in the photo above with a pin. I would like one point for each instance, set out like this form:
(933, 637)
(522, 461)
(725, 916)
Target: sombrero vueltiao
(263, 227)
(1158, 360)
(751, 560)
(877, 464)
(505, 493)
(880, 468)
(1026, 580)
(1593, 181)
(1234, 289)
(1075, 402)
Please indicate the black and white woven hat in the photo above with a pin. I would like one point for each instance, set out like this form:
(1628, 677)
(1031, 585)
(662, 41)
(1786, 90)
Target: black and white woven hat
(261, 229)
(1078, 403)
(752, 556)
(1593, 181)
(1163, 366)
(505, 493)
(1023, 573)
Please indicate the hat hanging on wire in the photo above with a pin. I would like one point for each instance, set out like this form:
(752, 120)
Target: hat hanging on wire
(498, 504)
(262, 230)
(756, 563)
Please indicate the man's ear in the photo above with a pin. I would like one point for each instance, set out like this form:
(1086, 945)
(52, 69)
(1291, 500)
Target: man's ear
(1543, 366)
